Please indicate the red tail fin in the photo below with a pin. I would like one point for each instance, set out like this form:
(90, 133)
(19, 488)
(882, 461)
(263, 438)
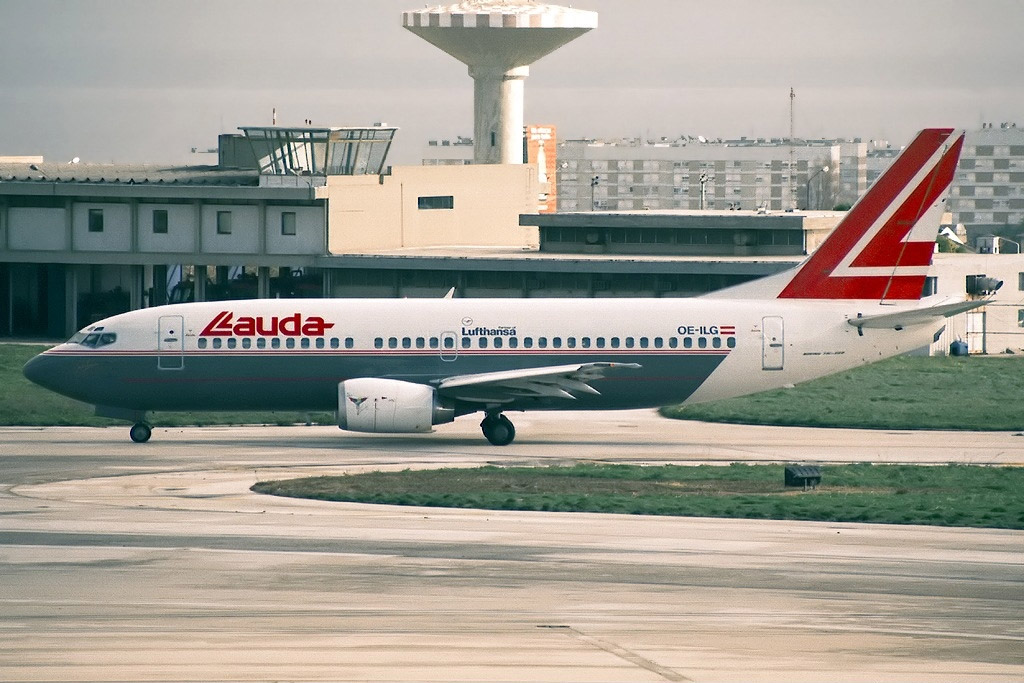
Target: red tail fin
(883, 246)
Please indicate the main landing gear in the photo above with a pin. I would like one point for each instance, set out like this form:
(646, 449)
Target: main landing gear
(498, 429)
(140, 432)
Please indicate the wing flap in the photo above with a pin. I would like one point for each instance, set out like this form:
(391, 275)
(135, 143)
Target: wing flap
(554, 381)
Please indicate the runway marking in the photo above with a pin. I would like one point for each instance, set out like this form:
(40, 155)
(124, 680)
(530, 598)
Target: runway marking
(621, 653)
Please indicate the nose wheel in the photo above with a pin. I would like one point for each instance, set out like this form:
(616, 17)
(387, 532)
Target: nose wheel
(140, 432)
(498, 429)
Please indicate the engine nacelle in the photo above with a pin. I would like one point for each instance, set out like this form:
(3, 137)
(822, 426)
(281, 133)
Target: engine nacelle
(370, 404)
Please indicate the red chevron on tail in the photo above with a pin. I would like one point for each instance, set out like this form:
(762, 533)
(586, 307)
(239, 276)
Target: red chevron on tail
(883, 246)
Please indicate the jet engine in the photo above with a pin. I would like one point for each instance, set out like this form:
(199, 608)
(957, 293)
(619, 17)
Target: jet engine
(370, 404)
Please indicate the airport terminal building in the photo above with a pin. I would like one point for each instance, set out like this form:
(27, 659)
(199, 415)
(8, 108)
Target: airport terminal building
(310, 212)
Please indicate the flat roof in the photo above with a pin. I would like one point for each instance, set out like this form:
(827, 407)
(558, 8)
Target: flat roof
(521, 259)
(125, 174)
(746, 219)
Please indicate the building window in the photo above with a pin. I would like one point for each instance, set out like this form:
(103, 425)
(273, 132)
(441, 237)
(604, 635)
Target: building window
(95, 220)
(1020, 317)
(445, 202)
(160, 221)
(223, 222)
(288, 223)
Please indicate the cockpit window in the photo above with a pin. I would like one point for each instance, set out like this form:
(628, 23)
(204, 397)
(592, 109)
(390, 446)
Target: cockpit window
(93, 337)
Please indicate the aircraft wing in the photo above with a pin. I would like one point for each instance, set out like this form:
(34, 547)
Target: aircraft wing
(553, 381)
(914, 316)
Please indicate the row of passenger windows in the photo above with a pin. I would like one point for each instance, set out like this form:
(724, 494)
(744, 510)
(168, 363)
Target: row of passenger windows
(468, 342)
(275, 343)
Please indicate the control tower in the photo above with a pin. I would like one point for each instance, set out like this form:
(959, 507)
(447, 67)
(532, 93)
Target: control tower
(498, 41)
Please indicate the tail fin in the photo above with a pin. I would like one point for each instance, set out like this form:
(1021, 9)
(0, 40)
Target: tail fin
(883, 246)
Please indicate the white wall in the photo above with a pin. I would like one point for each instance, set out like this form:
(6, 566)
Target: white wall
(32, 229)
(116, 235)
(181, 228)
(309, 231)
(244, 237)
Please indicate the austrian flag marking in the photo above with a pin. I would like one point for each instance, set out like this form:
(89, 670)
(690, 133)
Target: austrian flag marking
(224, 324)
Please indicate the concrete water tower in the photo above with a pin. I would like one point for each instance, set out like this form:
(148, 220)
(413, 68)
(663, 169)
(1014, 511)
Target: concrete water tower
(498, 41)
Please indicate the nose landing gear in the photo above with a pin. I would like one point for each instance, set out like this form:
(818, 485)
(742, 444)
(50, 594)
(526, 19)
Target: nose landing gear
(140, 432)
(498, 429)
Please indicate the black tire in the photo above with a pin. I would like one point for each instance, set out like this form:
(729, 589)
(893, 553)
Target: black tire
(498, 430)
(140, 432)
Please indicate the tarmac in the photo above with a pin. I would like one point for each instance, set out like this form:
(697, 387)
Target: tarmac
(154, 562)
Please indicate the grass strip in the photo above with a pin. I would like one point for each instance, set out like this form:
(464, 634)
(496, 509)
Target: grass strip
(951, 495)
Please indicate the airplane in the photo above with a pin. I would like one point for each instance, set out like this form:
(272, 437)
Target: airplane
(406, 365)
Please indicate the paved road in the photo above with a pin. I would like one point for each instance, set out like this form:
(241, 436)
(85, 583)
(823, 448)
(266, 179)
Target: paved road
(154, 562)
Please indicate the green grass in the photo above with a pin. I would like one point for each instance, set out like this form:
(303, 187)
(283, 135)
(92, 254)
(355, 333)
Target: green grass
(24, 403)
(974, 393)
(953, 495)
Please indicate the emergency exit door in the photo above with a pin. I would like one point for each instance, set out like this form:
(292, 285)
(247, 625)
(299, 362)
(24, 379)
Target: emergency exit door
(170, 343)
(773, 347)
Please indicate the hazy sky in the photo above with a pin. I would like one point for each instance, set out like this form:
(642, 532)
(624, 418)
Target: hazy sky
(147, 80)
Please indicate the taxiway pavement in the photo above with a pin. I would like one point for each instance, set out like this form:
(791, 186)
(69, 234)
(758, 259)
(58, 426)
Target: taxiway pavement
(154, 562)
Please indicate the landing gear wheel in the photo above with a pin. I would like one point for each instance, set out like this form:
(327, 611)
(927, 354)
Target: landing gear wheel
(498, 429)
(140, 432)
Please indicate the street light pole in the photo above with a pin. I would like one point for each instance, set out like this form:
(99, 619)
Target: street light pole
(823, 169)
(593, 184)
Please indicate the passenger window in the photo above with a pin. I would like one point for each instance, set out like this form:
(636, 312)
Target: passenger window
(290, 342)
(702, 342)
(643, 342)
(392, 342)
(528, 343)
(421, 343)
(600, 342)
(201, 343)
(513, 342)
(731, 342)
(275, 343)
(406, 342)
(629, 342)
(433, 342)
(246, 342)
(335, 342)
(261, 343)
(216, 342)
(615, 342)
(556, 342)
(658, 342)
(482, 342)
(378, 343)
(232, 342)
(585, 342)
(688, 342)
(466, 342)
(673, 342)
(716, 342)
(542, 342)
(449, 343)
(571, 342)
(498, 342)
(349, 342)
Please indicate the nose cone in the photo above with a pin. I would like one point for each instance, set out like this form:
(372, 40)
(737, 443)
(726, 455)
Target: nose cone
(41, 370)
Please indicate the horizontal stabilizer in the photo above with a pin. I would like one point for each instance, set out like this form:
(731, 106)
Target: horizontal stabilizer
(914, 316)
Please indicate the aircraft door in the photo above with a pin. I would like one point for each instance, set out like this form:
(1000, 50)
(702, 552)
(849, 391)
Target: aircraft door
(170, 343)
(772, 343)
(449, 346)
